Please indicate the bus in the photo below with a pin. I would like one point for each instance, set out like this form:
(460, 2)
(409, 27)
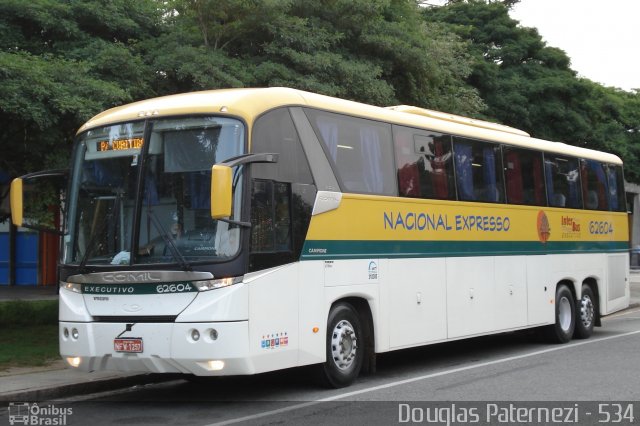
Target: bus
(240, 231)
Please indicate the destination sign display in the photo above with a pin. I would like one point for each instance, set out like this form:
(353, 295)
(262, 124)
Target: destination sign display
(119, 144)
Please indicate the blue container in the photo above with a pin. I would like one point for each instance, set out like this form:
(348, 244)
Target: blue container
(26, 258)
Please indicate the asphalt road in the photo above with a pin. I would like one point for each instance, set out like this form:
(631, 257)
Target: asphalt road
(501, 374)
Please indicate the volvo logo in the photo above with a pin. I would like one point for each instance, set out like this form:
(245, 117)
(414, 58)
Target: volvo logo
(130, 277)
(131, 308)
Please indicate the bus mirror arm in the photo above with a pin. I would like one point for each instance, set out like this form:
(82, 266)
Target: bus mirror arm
(236, 222)
(251, 158)
(222, 184)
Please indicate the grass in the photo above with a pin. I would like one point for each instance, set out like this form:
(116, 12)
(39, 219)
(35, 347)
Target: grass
(29, 312)
(29, 333)
(28, 346)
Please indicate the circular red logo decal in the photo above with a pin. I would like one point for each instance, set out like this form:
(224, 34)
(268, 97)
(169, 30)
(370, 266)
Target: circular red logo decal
(544, 230)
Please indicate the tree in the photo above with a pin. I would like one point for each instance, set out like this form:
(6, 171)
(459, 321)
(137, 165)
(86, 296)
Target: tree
(529, 85)
(61, 62)
(375, 51)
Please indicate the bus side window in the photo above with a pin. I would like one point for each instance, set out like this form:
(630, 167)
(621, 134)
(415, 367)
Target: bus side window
(563, 181)
(617, 200)
(275, 132)
(424, 164)
(478, 171)
(594, 185)
(524, 177)
(407, 164)
(360, 151)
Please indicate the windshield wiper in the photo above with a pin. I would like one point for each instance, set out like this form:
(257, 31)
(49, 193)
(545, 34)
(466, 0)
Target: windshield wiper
(168, 241)
(92, 243)
(94, 236)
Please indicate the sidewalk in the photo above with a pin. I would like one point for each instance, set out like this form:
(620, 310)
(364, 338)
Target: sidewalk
(25, 384)
(28, 292)
(58, 381)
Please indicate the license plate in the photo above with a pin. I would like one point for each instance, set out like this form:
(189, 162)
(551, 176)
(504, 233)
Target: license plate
(132, 345)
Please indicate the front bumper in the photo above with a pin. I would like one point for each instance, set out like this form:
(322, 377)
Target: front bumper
(167, 347)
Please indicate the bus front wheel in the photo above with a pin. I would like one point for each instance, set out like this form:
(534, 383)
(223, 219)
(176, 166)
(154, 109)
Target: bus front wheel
(565, 319)
(585, 313)
(345, 346)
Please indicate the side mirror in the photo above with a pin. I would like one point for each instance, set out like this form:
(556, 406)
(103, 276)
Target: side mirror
(221, 191)
(16, 199)
(37, 199)
(222, 182)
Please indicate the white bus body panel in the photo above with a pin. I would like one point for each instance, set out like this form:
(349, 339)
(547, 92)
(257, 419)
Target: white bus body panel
(137, 304)
(540, 290)
(168, 347)
(617, 291)
(312, 312)
(277, 318)
(273, 302)
(417, 297)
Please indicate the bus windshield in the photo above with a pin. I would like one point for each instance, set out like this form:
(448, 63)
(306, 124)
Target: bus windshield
(147, 201)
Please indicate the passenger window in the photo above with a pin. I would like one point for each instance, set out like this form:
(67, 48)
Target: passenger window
(275, 132)
(617, 200)
(563, 181)
(478, 171)
(524, 176)
(424, 163)
(359, 149)
(594, 185)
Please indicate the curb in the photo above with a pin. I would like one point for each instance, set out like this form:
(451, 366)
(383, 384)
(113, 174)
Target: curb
(93, 386)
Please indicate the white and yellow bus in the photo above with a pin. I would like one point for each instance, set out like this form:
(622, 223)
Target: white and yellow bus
(242, 231)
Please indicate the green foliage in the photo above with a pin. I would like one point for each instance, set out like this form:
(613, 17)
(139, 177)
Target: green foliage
(29, 334)
(62, 61)
(29, 312)
(28, 345)
(529, 85)
(375, 51)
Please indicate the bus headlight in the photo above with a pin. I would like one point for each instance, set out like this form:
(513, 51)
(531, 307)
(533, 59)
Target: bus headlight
(76, 288)
(207, 285)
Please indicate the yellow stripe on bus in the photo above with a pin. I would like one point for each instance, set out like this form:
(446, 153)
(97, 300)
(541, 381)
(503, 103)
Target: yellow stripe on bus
(375, 218)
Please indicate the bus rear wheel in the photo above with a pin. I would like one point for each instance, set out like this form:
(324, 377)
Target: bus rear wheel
(565, 319)
(345, 347)
(585, 313)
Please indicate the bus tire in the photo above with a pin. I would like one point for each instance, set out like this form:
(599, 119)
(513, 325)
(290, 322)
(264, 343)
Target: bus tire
(565, 318)
(345, 347)
(585, 313)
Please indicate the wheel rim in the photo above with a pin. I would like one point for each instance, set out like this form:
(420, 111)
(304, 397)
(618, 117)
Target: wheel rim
(564, 313)
(344, 345)
(586, 310)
